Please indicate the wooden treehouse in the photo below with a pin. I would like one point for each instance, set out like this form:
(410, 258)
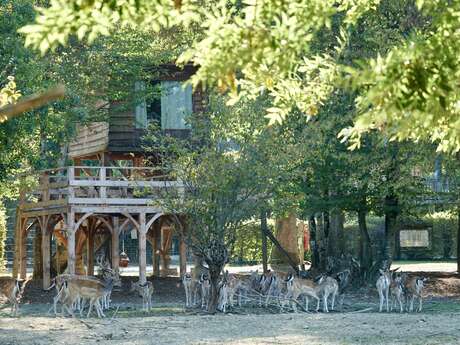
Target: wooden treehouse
(108, 190)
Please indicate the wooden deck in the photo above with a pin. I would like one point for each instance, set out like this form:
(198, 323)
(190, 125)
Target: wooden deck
(100, 189)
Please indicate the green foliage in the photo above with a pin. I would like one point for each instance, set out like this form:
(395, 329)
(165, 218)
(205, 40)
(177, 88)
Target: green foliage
(248, 244)
(3, 230)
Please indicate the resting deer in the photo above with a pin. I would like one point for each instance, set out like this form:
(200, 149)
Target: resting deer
(146, 291)
(383, 287)
(414, 288)
(11, 289)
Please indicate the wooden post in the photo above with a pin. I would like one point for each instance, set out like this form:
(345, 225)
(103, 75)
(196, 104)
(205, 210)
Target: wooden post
(17, 254)
(142, 248)
(263, 230)
(46, 244)
(116, 243)
(71, 242)
(102, 177)
(155, 248)
(182, 254)
(23, 249)
(90, 248)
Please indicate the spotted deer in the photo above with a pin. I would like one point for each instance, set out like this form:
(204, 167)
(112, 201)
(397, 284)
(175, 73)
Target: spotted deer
(397, 292)
(414, 288)
(205, 289)
(189, 286)
(383, 288)
(327, 286)
(11, 288)
(146, 291)
(294, 288)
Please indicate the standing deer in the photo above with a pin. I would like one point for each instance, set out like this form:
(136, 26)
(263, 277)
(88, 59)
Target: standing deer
(11, 289)
(146, 291)
(414, 288)
(383, 287)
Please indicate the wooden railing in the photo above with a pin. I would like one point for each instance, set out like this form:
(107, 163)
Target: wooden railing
(88, 185)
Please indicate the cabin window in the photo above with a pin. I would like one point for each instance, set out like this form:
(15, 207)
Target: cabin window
(414, 238)
(170, 109)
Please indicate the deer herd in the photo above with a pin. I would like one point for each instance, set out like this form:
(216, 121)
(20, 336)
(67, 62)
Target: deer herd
(285, 291)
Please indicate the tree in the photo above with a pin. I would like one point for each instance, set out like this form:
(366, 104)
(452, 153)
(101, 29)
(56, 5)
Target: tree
(409, 92)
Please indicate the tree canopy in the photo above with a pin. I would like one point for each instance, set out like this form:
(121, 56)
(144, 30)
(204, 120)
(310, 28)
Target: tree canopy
(267, 47)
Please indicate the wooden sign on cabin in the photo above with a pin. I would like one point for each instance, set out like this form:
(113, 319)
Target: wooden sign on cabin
(120, 137)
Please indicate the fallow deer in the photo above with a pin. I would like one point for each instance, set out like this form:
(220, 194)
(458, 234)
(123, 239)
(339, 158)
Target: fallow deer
(146, 291)
(11, 288)
(414, 288)
(383, 287)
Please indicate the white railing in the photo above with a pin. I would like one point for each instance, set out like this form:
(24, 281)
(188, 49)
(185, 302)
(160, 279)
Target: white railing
(88, 185)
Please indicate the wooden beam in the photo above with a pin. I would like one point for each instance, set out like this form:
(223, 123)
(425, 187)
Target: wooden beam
(116, 243)
(142, 249)
(46, 239)
(28, 103)
(71, 242)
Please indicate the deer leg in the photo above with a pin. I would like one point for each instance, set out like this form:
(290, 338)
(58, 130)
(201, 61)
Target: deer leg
(325, 303)
(420, 304)
(400, 304)
(381, 300)
(333, 301)
(386, 298)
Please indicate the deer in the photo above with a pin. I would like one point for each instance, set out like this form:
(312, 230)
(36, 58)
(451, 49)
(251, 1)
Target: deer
(297, 287)
(397, 292)
(269, 286)
(223, 293)
(13, 291)
(414, 287)
(60, 283)
(383, 287)
(343, 279)
(94, 291)
(146, 291)
(189, 287)
(205, 289)
(327, 286)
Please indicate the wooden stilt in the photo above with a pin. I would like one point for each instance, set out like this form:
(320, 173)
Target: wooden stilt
(155, 249)
(116, 243)
(17, 254)
(23, 249)
(90, 248)
(142, 248)
(46, 252)
(71, 242)
(182, 255)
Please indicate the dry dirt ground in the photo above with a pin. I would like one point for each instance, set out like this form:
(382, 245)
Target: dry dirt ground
(169, 323)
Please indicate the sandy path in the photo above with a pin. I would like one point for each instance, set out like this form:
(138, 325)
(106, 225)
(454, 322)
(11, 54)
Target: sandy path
(333, 328)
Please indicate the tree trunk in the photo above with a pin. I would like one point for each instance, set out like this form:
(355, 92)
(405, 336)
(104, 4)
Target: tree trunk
(365, 249)
(263, 230)
(391, 214)
(287, 236)
(214, 274)
(335, 244)
(313, 243)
